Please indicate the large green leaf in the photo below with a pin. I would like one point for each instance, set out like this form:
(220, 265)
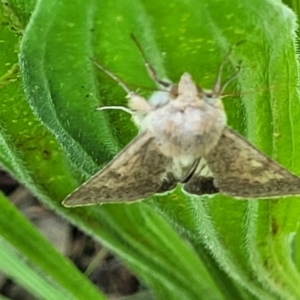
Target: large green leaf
(27, 258)
(52, 137)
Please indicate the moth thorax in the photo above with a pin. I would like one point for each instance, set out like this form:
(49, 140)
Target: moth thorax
(189, 131)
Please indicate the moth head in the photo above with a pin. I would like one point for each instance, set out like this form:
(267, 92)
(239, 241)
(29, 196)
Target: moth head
(186, 85)
(188, 90)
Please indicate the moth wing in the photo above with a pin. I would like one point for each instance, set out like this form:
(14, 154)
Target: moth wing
(241, 170)
(135, 173)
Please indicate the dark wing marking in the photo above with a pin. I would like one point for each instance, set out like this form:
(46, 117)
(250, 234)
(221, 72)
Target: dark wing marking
(135, 173)
(202, 181)
(169, 183)
(241, 170)
(200, 185)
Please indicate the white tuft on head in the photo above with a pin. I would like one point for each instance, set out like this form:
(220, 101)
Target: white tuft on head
(186, 86)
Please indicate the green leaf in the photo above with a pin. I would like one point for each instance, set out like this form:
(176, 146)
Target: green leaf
(16, 268)
(54, 138)
(27, 258)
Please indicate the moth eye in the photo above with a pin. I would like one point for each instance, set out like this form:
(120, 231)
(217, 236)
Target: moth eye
(209, 98)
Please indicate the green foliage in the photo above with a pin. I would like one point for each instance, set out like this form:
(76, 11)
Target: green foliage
(52, 138)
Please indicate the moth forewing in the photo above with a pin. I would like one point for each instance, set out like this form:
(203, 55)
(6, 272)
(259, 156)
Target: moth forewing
(135, 173)
(240, 170)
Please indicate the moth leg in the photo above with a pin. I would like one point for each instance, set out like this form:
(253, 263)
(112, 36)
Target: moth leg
(136, 102)
(138, 108)
(139, 103)
(151, 72)
(127, 110)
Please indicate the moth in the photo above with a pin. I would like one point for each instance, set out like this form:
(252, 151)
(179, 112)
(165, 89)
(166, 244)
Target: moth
(184, 138)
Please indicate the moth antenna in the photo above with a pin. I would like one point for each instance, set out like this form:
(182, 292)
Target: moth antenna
(217, 85)
(127, 110)
(234, 76)
(114, 77)
(151, 72)
(218, 88)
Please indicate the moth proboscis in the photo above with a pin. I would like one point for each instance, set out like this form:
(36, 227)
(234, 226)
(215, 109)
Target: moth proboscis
(184, 138)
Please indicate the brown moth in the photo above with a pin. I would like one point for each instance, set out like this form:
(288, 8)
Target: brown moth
(184, 139)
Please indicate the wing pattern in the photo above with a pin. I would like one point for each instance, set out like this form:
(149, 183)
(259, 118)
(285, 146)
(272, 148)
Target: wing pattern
(135, 173)
(241, 170)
